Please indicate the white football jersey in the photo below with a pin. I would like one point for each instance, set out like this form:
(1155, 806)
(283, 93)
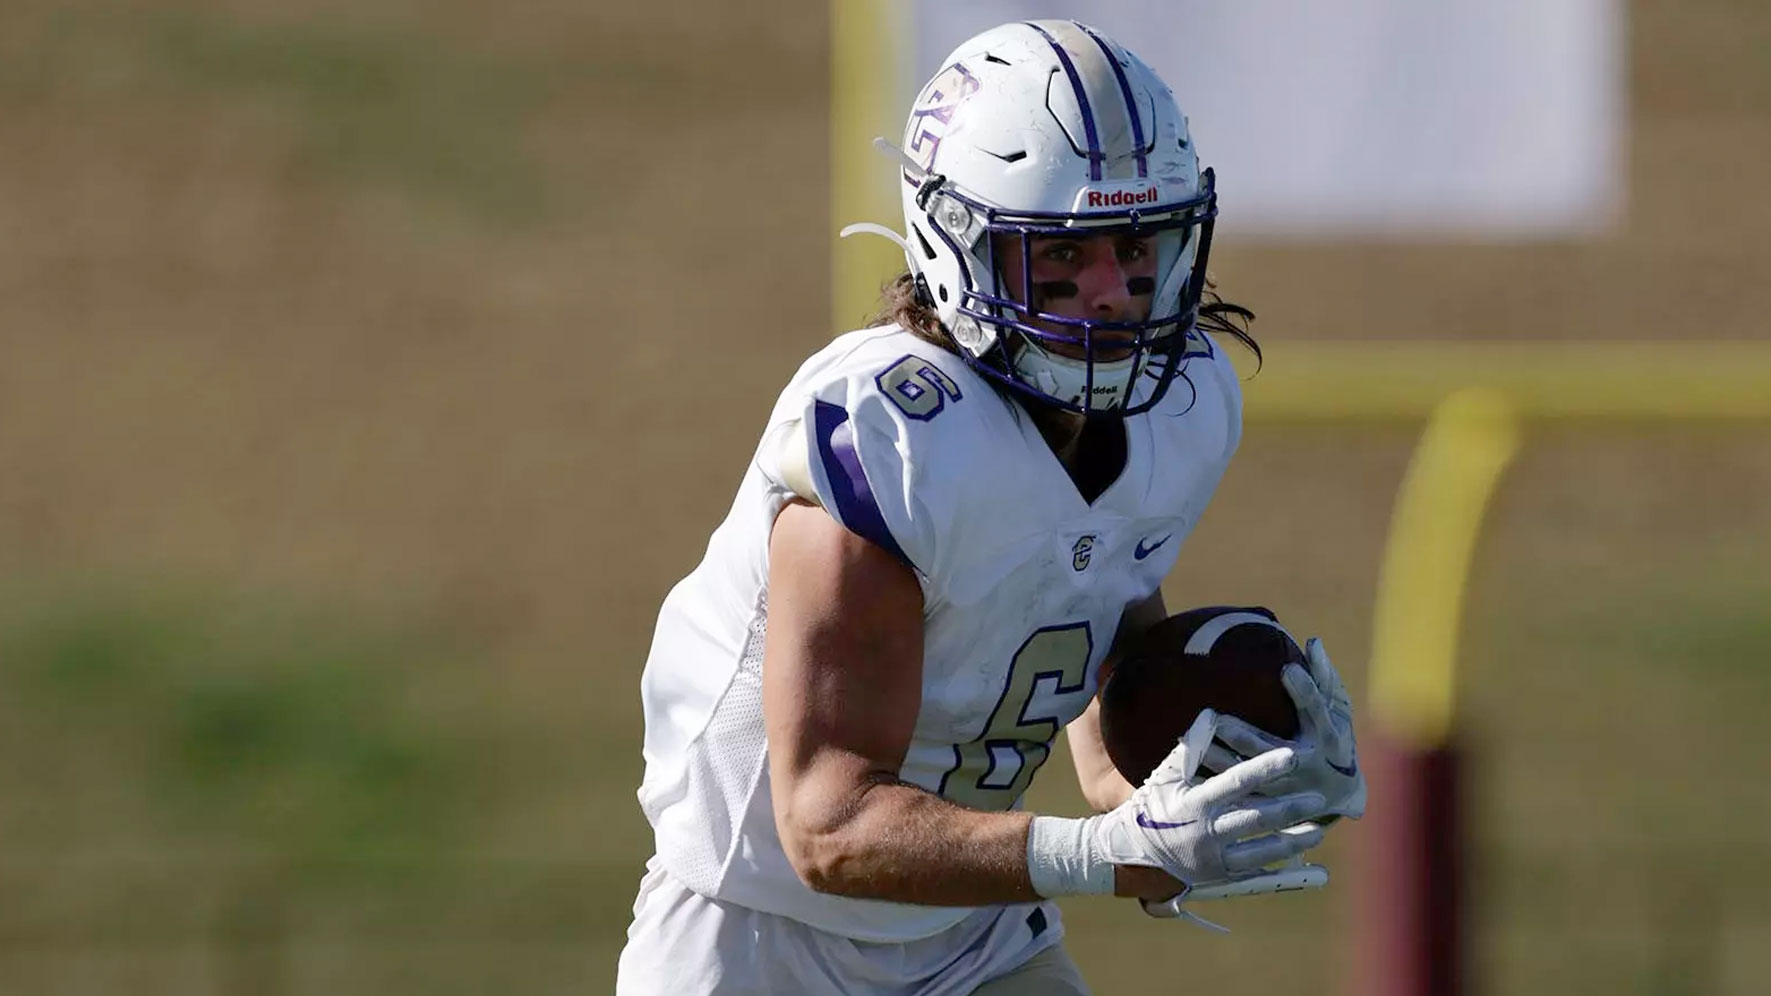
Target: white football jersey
(1023, 586)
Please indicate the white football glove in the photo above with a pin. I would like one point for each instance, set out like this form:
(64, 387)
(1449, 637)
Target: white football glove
(1327, 755)
(1291, 877)
(1212, 830)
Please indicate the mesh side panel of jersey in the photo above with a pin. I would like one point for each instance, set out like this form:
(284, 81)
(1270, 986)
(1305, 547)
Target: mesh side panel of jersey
(725, 763)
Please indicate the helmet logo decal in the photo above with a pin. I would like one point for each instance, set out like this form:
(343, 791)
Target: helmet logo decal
(934, 112)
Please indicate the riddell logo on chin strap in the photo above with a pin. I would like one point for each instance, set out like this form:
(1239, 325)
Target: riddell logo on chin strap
(1123, 198)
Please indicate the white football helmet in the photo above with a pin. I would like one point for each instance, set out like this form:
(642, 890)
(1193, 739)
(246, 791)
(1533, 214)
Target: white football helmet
(1043, 128)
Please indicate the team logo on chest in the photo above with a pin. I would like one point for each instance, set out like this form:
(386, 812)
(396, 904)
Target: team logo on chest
(1082, 552)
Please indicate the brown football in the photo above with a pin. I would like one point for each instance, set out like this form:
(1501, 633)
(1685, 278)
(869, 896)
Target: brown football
(1222, 657)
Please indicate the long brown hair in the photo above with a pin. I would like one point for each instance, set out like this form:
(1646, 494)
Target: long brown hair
(901, 303)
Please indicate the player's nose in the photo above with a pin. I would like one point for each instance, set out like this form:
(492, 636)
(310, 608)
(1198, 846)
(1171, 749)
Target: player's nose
(1109, 298)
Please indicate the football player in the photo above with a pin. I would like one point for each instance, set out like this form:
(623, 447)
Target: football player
(948, 519)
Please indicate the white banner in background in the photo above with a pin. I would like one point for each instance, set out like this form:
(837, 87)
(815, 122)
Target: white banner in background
(1486, 119)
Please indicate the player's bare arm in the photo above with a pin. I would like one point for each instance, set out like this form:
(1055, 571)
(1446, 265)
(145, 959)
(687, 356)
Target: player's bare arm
(841, 691)
(842, 685)
(1101, 783)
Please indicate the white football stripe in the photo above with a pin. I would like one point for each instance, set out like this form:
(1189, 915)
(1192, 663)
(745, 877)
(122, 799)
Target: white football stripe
(1207, 635)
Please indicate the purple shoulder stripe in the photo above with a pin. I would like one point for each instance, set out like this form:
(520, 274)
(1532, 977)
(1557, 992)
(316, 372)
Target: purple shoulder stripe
(850, 493)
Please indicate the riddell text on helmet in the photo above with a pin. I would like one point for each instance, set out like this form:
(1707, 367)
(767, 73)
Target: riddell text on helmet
(1123, 198)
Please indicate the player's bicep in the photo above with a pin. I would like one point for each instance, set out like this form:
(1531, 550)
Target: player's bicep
(842, 668)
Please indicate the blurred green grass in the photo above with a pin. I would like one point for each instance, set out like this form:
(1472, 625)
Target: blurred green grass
(284, 727)
(275, 785)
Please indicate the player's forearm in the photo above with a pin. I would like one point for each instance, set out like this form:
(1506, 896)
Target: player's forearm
(1101, 783)
(899, 843)
(1105, 789)
(896, 842)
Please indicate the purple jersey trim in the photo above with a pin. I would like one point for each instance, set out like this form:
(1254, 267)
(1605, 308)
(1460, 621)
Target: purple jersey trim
(1131, 102)
(1088, 115)
(850, 494)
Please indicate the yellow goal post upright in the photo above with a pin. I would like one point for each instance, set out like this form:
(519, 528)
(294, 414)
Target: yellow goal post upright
(1411, 883)
(1475, 398)
(870, 94)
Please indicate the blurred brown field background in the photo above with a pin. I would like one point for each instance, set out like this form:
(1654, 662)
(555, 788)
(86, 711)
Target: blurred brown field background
(369, 371)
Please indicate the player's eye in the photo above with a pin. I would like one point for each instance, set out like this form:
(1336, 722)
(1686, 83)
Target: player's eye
(1132, 250)
(1060, 252)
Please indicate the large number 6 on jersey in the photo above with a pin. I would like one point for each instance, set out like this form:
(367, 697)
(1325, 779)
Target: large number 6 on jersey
(992, 771)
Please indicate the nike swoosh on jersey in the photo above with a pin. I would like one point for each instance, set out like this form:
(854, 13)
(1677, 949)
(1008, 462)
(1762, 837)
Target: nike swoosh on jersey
(1143, 551)
(1144, 820)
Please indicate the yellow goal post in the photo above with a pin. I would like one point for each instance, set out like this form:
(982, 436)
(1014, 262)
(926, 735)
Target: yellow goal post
(1476, 398)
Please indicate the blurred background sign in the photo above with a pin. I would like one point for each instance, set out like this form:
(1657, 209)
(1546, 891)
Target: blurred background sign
(1465, 118)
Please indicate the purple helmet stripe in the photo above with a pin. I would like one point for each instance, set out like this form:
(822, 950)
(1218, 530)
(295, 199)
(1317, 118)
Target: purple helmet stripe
(1131, 103)
(851, 497)
(1088, 116)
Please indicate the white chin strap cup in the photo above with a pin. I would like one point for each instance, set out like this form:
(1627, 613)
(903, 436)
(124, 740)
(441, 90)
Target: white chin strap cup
(1068, 380)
